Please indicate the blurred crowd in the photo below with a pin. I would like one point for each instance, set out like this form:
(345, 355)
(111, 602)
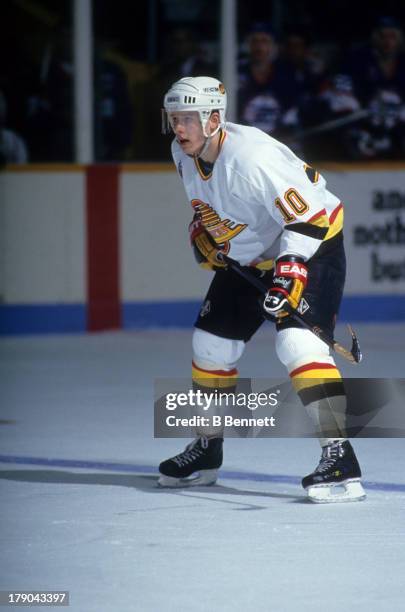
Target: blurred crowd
(347, 106)
(326, 103)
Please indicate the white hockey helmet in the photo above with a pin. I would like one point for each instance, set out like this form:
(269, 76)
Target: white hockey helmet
(201, 94)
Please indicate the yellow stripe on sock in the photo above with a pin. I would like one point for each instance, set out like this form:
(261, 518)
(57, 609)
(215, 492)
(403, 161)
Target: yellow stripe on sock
(215, 379)
(307, 376)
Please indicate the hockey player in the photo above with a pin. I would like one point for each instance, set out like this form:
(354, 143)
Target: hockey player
(255, 201)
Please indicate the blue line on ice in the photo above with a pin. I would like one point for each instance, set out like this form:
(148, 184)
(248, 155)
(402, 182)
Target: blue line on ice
(149, 469)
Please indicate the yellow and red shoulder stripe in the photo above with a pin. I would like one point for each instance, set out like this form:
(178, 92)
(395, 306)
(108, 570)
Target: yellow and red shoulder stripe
(335, 222)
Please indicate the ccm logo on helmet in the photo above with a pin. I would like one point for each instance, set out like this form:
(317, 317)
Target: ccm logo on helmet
(220, 88)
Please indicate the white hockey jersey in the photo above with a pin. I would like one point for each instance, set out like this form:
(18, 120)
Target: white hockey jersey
(260, 200)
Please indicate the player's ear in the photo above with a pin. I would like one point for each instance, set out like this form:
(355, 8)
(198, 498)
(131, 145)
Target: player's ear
(214, 120)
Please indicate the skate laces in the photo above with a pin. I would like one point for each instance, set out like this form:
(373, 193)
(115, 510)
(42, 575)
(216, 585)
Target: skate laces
(329, 456)
(193, 451)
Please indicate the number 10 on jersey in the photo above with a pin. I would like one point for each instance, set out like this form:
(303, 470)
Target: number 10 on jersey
(295, 202)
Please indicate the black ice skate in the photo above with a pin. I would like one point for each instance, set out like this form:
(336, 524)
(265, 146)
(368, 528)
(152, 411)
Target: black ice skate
(203, 455)
(337, 477)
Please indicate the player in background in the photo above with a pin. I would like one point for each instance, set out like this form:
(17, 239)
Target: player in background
(256, 201)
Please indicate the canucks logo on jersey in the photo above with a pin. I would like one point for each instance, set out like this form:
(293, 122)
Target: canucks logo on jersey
(222, 230)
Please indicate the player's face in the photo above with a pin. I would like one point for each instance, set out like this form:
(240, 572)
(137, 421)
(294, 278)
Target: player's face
(389, 40)
(260, 46)
(188, 131)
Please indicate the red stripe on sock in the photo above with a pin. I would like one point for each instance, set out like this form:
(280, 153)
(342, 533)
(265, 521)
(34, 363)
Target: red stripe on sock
(103, 295)
(217, 372)
(313, 366)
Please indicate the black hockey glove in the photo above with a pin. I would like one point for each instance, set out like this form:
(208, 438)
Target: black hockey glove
(290, 279)
(205, 248)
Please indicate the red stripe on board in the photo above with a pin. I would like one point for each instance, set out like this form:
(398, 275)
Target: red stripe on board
(103, 295)
(313, 366)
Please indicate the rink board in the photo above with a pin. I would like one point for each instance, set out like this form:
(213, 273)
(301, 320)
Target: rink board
(106, 247)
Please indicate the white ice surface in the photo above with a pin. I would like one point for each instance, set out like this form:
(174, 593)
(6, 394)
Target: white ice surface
(119, 544)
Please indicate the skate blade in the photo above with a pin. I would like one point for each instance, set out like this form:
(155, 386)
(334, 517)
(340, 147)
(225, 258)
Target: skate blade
(204, 478)
(332, 494)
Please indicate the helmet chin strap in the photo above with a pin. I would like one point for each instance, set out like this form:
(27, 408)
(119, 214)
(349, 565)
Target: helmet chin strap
(207, 142)
(204, 147)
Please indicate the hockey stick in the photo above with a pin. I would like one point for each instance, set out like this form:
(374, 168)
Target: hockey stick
(354, 355)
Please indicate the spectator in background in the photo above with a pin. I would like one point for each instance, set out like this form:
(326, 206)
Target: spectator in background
(49, 123)
(184, 55)
(330, 119)
(113, 109)
(379, 65)
(378, 73)
(298, 59)
(268, 91)
(12, 147)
